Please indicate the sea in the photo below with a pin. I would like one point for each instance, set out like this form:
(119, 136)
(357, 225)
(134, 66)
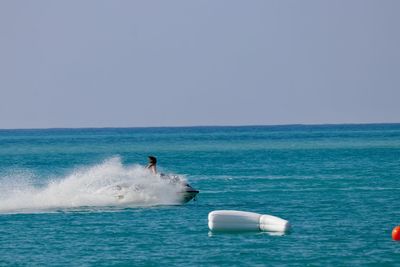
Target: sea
(337, 185)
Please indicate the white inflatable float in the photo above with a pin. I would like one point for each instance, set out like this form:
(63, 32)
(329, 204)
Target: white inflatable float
(233, 220)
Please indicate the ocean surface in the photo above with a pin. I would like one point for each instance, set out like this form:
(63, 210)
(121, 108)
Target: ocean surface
(338, 185)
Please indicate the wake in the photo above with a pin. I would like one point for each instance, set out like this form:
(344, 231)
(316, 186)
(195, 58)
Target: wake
(109, 184)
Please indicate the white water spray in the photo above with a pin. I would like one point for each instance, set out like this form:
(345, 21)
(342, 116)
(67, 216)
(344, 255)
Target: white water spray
(109, 184)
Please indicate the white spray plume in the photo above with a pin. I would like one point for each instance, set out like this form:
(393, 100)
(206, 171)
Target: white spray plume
(109, 184)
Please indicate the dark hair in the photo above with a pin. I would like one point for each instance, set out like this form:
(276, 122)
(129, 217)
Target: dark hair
(152, 160)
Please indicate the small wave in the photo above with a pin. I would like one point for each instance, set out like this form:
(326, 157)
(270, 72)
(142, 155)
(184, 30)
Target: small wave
(109, 184)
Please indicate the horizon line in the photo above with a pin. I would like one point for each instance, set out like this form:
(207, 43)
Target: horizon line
(205, 126)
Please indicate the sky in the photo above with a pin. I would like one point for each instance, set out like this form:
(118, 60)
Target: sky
(128, 63)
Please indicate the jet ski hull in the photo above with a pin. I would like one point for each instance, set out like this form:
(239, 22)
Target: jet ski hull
(189, 193)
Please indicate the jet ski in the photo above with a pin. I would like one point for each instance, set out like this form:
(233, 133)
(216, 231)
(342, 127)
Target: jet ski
(187, 193)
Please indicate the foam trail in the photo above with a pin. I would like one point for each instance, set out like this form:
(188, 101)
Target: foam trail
(108, 184)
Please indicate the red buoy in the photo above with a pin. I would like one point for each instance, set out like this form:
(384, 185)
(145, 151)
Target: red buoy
(396, 233)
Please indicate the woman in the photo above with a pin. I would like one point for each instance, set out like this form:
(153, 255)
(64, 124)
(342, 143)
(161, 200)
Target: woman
(152, 165)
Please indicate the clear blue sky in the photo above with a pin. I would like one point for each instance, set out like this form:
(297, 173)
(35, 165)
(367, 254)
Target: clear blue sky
(129, 63)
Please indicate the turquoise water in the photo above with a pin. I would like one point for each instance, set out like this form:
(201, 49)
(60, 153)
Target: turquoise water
(338, 185)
